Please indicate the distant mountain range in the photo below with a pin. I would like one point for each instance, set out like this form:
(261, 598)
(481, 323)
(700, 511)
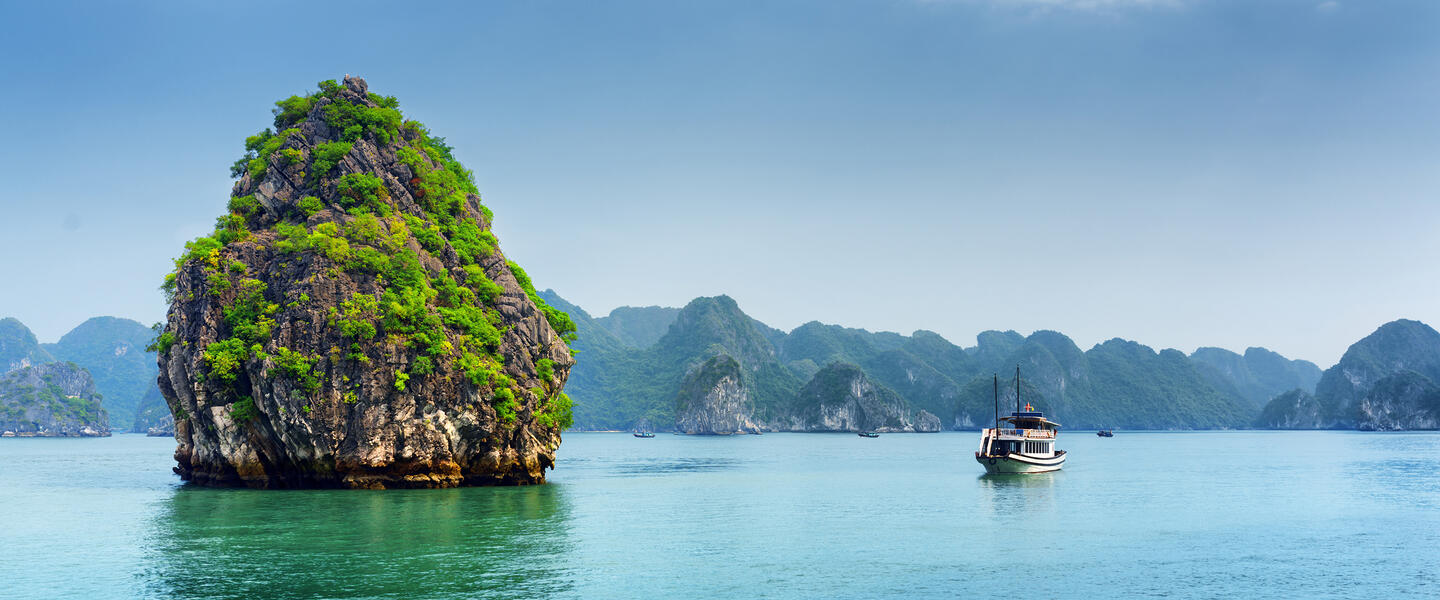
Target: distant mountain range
(710, 368)
(110, 349)
(623, 377)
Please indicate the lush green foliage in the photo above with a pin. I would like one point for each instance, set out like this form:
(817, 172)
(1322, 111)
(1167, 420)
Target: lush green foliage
(327, 155)
(506, 405)
(162, 343)
(243, 410)
(292, 110)
(205, 249)
(310, 205)
(363, 192)
(297, 367)
(557, 412)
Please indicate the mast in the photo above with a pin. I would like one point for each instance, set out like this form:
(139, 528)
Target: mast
(997, 405)
(1017, 390)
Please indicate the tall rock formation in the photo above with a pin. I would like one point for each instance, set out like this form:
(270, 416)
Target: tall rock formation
(352, 321)
(1295, 409)
(714, 399)
(841, 398)
(51, 400)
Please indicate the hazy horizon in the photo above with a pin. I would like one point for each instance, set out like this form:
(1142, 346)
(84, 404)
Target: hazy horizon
(1177, 173)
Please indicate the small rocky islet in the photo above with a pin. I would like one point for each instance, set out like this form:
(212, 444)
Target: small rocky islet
(55, 399)
(352, 321)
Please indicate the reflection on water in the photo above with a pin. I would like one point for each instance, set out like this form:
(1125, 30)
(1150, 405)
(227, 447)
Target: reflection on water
(1011, 494)
(663, 466)
(1189, 515)
(470, 542)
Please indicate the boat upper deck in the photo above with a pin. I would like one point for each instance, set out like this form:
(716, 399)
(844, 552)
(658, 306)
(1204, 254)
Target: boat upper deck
(1030, 420)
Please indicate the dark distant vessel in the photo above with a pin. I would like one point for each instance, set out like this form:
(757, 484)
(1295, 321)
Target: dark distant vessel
(1028, 446)
(642, 430)
(1105, 433)
(869, 434)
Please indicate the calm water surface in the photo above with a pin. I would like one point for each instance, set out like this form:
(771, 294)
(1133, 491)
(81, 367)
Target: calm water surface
(1181, 515)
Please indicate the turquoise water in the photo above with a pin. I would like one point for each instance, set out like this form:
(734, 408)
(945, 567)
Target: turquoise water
(1180, 515)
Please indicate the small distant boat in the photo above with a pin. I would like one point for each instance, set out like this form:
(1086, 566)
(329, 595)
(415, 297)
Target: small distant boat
(642, 429)
(1106, 433)
(1027, 446)
(868, 434)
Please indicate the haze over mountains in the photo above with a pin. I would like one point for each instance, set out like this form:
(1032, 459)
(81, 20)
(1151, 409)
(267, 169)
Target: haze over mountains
(621, 380)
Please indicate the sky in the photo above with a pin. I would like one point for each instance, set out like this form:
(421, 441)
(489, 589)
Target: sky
(1181, 173)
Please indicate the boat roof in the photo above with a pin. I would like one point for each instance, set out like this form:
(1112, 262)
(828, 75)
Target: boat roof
(1031, 415)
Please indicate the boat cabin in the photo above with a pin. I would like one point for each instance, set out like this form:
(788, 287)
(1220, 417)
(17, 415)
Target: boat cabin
(1029, 433)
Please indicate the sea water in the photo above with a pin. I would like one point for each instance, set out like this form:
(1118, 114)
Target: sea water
(1178, 515)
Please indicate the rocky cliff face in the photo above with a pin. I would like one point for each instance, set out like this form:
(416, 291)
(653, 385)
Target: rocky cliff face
(1295, 409)
(1400, 401)
(841, 398)
(352, 321)
(715, 400)
(51, 400)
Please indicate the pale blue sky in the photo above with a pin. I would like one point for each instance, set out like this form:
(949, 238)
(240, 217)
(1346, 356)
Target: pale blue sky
(1183, 173)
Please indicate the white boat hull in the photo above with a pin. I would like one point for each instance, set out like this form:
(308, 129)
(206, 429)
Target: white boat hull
(1020, 463)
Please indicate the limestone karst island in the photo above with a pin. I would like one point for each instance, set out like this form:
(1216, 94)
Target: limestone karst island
(352, 321)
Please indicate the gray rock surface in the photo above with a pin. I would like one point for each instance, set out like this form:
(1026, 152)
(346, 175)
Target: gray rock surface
(1401, 401)
(714, 400)
(1295, 409)
(927, 423)
(842, 398)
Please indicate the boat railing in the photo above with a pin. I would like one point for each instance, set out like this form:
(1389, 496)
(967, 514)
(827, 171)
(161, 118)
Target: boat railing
(1028, 433)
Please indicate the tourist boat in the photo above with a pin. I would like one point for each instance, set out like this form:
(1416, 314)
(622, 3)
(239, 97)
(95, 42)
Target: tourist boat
(1105, 433)
(1027, 446)
(644, 434)
(869, 434)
